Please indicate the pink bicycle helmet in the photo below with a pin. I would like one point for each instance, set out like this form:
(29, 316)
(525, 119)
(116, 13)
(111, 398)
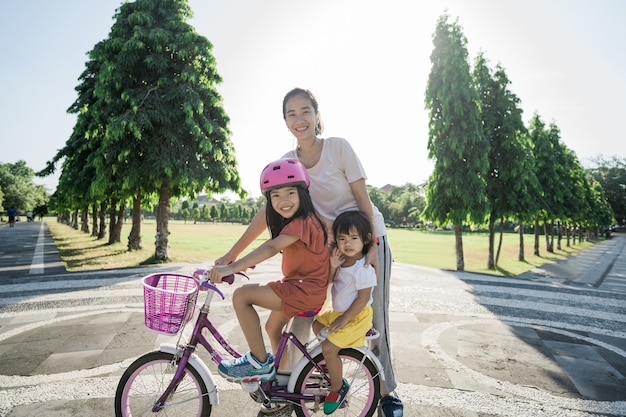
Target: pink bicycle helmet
(284, 172)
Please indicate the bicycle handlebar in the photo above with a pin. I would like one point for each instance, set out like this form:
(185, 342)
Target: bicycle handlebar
(202, 274)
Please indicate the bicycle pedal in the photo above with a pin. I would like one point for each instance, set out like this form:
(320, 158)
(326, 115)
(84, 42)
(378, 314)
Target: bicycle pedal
(250, 385)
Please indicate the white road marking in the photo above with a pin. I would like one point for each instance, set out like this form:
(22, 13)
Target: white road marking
(37, 265)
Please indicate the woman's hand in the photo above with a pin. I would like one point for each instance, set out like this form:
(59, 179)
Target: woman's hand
(372, 258)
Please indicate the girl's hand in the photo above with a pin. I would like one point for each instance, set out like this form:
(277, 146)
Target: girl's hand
(224, 260)
(220, 271)
(336, 258)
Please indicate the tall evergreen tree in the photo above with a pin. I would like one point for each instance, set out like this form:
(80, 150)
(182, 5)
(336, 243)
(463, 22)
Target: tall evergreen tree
(544, 170)
(165, 124)
(455, 192)
(509, 176)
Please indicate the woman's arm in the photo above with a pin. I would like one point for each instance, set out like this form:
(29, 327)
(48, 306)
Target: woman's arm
(254, 230)
(362, 197)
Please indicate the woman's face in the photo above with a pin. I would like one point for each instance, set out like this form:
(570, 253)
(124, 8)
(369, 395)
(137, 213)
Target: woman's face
(300, 117)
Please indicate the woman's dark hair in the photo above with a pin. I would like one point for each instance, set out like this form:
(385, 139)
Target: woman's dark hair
(319, 127)
(357, 220)
(276, 222)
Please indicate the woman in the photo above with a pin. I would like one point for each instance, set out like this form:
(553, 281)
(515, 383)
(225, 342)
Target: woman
(338, 184)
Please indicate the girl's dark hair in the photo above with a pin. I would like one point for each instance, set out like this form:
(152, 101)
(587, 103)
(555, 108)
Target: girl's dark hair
(276, 222)
(319, 128)
(357, 220)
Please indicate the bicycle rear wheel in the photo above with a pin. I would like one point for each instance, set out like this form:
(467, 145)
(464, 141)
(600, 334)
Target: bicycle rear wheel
(145, 380)
(364, 393)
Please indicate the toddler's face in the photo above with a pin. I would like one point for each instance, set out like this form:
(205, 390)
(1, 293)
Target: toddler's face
(350, 244)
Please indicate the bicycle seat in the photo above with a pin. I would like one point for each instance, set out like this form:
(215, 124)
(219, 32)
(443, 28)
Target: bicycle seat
(310, 313)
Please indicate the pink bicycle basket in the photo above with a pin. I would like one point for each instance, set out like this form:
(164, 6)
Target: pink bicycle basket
(168, 301)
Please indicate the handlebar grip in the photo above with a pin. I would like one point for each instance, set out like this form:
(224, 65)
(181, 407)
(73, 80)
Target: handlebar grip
(229, 279)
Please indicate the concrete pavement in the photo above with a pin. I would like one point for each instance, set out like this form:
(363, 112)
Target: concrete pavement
(551, 342)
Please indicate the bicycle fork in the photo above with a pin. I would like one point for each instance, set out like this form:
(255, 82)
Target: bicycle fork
(181, 363)
(191, 359)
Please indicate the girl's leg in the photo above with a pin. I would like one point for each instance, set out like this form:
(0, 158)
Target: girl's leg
(333, 364)
(338, 387)
(317, 327)
(274, 327)
(244, 300)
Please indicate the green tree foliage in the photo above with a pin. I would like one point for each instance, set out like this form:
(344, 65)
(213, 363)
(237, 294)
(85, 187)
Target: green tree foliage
(545, 172)
(511, 175)
(455, 192)
(610, 174)
(153, 114)
(18, 189)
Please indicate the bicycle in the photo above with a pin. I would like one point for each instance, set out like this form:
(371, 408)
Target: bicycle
(175, 381)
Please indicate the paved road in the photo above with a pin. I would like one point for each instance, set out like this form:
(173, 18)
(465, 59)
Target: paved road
(551, 342)
(28, 250)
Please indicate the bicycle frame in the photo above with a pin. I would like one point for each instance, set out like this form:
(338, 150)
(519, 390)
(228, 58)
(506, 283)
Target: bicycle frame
(185, 354)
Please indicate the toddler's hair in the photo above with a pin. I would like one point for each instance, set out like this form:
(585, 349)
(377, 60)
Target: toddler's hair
(357, 220)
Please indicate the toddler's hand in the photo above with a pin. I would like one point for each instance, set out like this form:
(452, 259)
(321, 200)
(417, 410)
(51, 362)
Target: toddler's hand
(336, 258)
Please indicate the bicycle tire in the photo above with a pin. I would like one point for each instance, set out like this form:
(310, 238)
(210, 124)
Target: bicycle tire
(363, 396)
(146, 378)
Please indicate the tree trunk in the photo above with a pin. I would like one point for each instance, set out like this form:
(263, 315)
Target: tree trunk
(102, 232)
(94, 220)
(458, 244)
(520, 256)
(491, 264)
(500, 241)
(112, 220)
(75, 219)
(134, 238)
(84, 219)
(536, 238)
(119, 222)
(547, 233)
(559, 234)
(163, 214)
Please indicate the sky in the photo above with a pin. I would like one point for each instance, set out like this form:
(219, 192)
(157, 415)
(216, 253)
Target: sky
(366, 61)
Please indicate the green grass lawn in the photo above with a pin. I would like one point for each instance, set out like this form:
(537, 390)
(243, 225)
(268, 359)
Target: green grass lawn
(199, 243)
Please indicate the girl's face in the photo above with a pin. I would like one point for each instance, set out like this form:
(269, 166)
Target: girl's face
(350, 244)
(300, 117)
(285, 201)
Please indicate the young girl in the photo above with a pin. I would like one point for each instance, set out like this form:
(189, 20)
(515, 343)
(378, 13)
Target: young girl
(298, 232)
(351, 314)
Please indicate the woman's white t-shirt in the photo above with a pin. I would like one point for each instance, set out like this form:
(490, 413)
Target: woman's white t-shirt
(330, 181)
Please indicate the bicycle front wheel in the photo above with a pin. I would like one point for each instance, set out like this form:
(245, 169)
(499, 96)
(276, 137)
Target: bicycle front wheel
(146, 379)
(364, 393)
